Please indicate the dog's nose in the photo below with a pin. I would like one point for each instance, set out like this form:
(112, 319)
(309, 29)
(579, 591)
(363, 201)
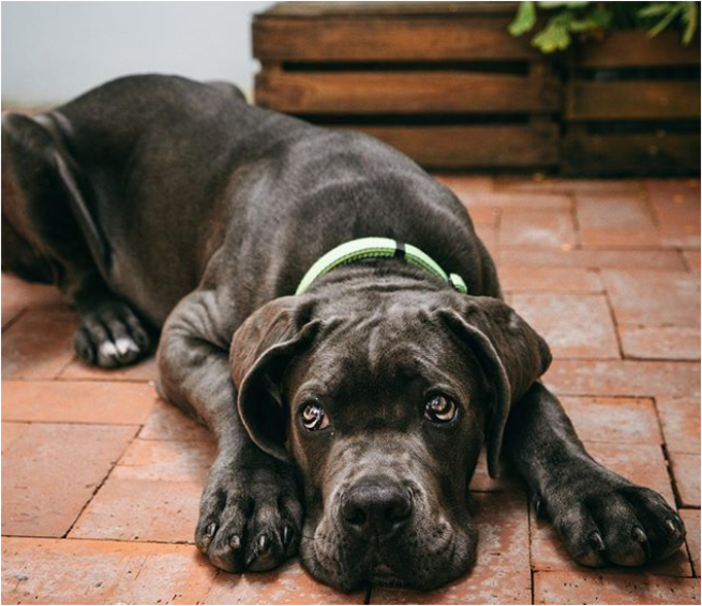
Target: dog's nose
(376, 508)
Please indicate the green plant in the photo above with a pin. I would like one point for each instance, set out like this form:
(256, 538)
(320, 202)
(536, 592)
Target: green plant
(568, 19)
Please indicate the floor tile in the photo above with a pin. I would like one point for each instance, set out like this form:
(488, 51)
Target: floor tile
(143, 371)
(166, 422)
(549, 279)
(692, 260)
(11, 433)
(62, 571)
(686, 471)
(52, 471)
(141, 510)
(522, 202)
(623, 378)
(647, 259)
(18, 295)
(596, 588)
(508, 479)
(547, 184)
(466, 185)
(77, 402)
(290, 584)
(642, 464)
(8, 314)
(152, 495)
(691, 518)
(653, 298)
(573, 325)
(38, 345)
(607, 221)
(166, 460)
(660, 342)
(680, 420)
(616, 420)
(676, 206)
(537, 229)
(501, 574)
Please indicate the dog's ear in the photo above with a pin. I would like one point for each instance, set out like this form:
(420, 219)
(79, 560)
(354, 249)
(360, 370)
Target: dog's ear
(511, 353)
(261, 349)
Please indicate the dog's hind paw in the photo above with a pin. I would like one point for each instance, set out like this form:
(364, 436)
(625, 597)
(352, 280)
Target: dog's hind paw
(110, 336)
(250, 516)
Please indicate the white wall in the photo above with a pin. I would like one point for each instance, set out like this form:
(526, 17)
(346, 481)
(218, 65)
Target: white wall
(53, 51)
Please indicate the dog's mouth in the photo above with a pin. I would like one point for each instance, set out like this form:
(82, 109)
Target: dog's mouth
(383, 576)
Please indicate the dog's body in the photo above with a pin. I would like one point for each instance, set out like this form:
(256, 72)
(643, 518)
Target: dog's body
(371, 394)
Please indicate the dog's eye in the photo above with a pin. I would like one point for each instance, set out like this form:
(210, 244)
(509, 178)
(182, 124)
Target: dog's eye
(440, 409)
(313, 417)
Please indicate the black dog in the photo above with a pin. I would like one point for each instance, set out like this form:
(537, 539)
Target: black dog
(160, 201)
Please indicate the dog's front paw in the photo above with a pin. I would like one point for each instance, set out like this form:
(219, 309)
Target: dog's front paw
(110, 335)
(604, 519)
(250, 516)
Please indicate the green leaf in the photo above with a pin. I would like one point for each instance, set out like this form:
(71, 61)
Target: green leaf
(595, 19)
(655, 9)
(663, 23)
(525, 19)
(553, 37)
(690, 20)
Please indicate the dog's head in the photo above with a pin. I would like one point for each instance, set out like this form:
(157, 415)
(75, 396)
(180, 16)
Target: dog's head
(384, 401)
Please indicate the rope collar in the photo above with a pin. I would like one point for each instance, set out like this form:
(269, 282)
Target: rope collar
(376, 248)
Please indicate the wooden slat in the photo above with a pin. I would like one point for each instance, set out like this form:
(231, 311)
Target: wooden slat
(472, 147)
(637, 154)
(635, 49)
(414, 92)
(387, 39)
(351, 9)
(633, 100)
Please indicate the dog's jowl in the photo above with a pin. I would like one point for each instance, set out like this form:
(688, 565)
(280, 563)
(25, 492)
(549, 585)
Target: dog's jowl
(327, 310)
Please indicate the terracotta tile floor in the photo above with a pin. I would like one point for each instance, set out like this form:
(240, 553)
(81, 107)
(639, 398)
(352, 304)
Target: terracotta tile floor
(102, 480)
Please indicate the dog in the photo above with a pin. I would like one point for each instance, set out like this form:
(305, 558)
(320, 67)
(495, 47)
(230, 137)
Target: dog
(326, 308)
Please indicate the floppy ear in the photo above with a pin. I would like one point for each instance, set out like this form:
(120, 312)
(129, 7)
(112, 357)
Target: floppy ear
(510, 352)
(260, 351)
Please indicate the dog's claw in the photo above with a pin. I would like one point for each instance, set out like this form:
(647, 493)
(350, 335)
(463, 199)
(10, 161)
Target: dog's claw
(539, 506)
(596, 541)
(671, 528)
(264, 544)
(287, 536)
(235, 542)
(639, 535)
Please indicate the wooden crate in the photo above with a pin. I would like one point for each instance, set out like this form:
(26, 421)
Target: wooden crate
(442, 81)
(633, 106)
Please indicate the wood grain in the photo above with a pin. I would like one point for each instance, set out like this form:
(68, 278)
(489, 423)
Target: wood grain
(397, 38)
(413, 92)
(618, 154)
(634, 49)
(468, 146)
(633, 100)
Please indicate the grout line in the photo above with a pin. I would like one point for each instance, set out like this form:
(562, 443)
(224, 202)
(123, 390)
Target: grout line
(102, 482)
(13, 320)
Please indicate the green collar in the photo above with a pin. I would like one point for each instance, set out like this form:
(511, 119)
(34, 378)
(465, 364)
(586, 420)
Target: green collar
(376, 248)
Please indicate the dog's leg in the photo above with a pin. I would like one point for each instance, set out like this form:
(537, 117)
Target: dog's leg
(250, 512)
(601, 517)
